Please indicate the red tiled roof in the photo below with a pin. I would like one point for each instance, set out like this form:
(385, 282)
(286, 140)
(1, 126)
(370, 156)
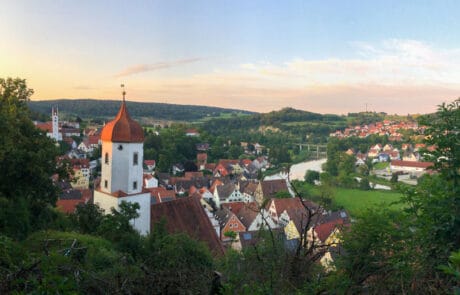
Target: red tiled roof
(287, 204)
(202, 156)
(235, 207)
(94, 139)
(323, 231)
(47, 126)
(411, 164)
(149, 162)
(186, 215)
(123, 128)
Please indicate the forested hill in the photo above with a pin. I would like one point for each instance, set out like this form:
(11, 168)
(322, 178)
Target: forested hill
(92, 108)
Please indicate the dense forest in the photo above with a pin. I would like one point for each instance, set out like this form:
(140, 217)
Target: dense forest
(92, 108)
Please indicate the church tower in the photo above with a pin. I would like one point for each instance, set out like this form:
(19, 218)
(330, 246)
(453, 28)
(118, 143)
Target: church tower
(55, 124)
(122, 171)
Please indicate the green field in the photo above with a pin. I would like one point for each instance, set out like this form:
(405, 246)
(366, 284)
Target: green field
(356, 201)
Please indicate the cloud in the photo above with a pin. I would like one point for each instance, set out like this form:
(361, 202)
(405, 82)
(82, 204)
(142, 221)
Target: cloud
(141, 68)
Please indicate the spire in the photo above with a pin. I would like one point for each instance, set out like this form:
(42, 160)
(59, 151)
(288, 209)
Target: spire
(123, 92)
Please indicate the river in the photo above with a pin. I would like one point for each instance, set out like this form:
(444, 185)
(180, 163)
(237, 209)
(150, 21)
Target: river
(298, 170)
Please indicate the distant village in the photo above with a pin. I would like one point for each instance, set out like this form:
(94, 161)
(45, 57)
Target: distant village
(223, 204)
(408, 158)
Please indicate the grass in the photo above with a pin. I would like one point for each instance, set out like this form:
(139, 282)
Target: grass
(381, 165)
(356, 201)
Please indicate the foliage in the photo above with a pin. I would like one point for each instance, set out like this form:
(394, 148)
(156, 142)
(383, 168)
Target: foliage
(27, 162)
(311, 176)
(91, 108)
(283, 195)
(401, 253)
(176, 264)
(378, 257)
(453, 269)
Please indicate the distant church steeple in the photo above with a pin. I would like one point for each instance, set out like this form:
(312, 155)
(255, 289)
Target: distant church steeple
(55, 123)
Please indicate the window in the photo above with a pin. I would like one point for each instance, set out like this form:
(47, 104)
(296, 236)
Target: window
(120, 147)
(135, 185)
(135, 158)
(106, 183)
(106, 158)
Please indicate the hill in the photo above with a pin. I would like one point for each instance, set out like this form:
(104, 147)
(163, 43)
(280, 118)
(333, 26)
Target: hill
(93, 108)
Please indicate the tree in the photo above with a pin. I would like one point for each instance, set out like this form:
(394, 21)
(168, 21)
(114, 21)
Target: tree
(311, 176)
(27, 162)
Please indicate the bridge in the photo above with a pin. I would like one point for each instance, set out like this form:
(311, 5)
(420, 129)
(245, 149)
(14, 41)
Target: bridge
(319, 149)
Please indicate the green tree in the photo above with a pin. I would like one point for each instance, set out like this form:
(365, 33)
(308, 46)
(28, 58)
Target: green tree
(311, 176)
(27, 162)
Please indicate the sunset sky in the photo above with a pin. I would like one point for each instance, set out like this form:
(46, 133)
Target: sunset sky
(322, 56)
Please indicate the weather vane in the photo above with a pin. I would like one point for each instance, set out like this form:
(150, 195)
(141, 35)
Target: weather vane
(124, 92)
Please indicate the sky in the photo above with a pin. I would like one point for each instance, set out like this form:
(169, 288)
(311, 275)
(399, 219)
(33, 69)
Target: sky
(322, 56)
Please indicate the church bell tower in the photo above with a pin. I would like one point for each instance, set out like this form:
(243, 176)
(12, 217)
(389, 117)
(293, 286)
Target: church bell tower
(122, 171)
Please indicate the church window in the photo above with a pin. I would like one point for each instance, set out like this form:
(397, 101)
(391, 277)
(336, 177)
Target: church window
(135, 185)
(106, 158)
(106, 183)
(135, 158)
(120, 147)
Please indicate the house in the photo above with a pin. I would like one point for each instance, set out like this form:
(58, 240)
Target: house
(201, 160)
(178, 169)
(228, 222)
(186, 215)
(81, 173)
(150, 181)
(226, 167)
(254, 218)
(410, 156)
(268, 189)
(192, 132)
(69, 199)
(388, 147)
(150, 164)
(373, 153)
(226, 193)
(290, 214)
(202, 147)
(248, 189)
(160, 195)
(409, 166)
(350, 152)
(384, 157)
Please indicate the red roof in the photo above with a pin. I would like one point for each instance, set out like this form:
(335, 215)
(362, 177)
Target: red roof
(415, 164)
(235, 207)
(287, 204)
(149, 162)
(186, 215)
(48, 126)
(323, 231)
(202, 157)
(123, 128)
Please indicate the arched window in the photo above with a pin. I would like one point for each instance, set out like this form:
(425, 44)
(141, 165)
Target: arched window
(106, 159)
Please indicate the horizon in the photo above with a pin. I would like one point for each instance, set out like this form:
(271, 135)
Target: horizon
(233, 109)
(261, 56)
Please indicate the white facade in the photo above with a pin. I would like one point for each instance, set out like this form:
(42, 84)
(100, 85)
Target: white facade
(122, 167)
(55, 134)
(262, 220)
(107, 202)
(122, 171)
